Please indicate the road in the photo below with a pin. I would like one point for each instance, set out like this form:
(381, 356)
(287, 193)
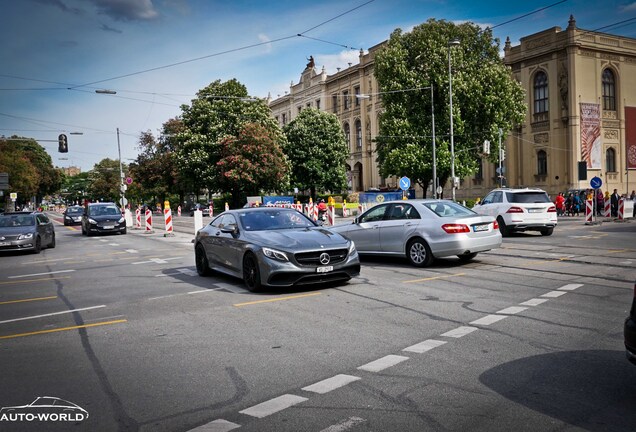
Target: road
(527, 337)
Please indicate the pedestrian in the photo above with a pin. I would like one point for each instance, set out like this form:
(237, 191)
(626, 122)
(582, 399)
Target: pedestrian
(614, 203)
(559, 202)
(633, 196)
(600, 203)
(569, 205)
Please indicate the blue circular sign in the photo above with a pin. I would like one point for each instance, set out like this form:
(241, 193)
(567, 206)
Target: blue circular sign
(596, 182)
(405, 183)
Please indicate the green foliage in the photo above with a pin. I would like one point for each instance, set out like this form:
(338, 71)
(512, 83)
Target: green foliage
(485, 98)
(251, 162)
(74, 187)
(104, 181)
(317, 150)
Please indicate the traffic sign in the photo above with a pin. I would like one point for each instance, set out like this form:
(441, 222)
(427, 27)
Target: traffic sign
(596, 182)
(405, 183)
(129, 180)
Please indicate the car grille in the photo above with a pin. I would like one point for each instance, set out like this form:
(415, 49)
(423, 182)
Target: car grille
(313, 258)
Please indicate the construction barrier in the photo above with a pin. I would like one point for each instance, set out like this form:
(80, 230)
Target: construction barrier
(179, 211)
(167, 217)
(621, 209)
(345, 212)
(148, 222)
(589, 211)
(607, 212)
(138, 219)
(315, 214)
(211, 210)
(331, 215)
(227, 207)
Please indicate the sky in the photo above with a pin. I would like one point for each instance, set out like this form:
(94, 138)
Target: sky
(156, 54)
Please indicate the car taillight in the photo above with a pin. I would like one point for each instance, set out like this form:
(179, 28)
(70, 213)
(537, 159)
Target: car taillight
(552, 209)
(515, 209)
(455, 228)
(495, 225)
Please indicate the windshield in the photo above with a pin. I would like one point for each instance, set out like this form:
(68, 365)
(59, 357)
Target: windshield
(448, 209)
(527, 197)
(75, 210)
(16, 220)
(104, 211)
(274, 219)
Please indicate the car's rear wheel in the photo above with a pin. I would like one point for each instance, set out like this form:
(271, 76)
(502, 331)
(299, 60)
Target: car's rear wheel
(201, 261)
(467, 257)
(547, 231)
(419, 253)
(503, 229)
(251, 272)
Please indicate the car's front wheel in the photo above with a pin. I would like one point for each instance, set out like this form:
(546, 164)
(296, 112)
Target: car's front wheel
(38, 245)
(547, 231)
(52, 244)
(201, 261)
(419, 253)
(251, 272)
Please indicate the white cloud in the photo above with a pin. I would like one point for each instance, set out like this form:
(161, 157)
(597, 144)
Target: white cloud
(629, 7)
(333, 61)
(264, 38)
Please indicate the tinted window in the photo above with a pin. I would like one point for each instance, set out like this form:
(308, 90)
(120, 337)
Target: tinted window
(274, 219)
(448, 209)
(374, 215)
(75, 210)
(42, 219)
(17, 220)
(527, 197)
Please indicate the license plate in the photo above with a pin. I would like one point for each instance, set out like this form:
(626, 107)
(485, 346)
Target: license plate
(478, 228)
(4, 244)
(324, 269)
(535, 210)
(108, 227)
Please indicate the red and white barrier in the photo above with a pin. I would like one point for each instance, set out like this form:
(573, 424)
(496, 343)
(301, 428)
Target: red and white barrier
(345, 212)
(589, 211)
(179, 211)
(607, 212)
(621, 209)
(227, 207)
(315, 214)
(148, 221)
(211, 210)
(138, 219)
(331, 215)
(167, 217)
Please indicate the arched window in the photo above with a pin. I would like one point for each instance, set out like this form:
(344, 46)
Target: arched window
(609, 90)
(347, 132)
(610, 160)
(359, 133)
(540, 93)
(542, 162)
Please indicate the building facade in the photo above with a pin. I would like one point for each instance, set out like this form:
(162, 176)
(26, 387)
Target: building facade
(581, 96)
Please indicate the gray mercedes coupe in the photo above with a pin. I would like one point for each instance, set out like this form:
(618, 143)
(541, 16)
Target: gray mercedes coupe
(276, 247)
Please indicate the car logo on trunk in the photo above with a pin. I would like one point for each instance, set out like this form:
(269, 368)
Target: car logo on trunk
(324, 258)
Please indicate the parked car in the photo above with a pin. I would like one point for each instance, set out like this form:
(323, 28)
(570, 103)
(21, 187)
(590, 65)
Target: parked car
(422, 230)
(26, 231)
(203, 208)
(630, 331)
(73, 215)
(274, 247)
(99, 218)
(520, 210)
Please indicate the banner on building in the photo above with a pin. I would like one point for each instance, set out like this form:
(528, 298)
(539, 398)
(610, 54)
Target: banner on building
(630, 136)
(591, 135)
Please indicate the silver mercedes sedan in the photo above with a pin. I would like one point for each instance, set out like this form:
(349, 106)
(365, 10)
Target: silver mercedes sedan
(277, 247)
(421, 230)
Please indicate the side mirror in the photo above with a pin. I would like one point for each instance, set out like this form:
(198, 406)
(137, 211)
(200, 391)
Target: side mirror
(232, 229)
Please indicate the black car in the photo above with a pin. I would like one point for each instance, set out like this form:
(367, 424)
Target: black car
(99, 218)
(73, 215)
(630, 331)
(26, 231)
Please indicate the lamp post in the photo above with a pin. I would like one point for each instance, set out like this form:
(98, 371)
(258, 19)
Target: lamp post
(121, 175)
(451, 44)
(434, 144)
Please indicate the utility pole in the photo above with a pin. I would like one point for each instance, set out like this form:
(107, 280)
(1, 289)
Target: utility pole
(501, 155)
(121, 175)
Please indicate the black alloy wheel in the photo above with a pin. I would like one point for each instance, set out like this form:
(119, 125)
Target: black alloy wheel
(201, 261)
(251, 272)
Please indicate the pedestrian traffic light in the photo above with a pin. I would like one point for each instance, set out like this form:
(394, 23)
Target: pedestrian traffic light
(62, 144)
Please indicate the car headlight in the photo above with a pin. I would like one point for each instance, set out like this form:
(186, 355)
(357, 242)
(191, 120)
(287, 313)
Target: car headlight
(92, 221)
(352, 247)
(274, 254)
(121, 220)
(25, 236)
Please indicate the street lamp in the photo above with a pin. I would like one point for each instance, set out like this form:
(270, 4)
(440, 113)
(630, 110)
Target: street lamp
(121, 175)
(451, 44)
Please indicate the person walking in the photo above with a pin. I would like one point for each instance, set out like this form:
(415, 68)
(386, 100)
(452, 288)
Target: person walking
(559, 203)
(614, 198)
(600, 203)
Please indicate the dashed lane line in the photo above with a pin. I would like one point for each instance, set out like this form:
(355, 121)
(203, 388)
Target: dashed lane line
(40, 274)
(329, 384)
(512, 310)
(459, 332)
(344, 425)
(273, 406)
(533, 302)
(554, 294)
(570, 287)
(218, 425)
(157, 260)
(383, 363)
(422, 347)
(52, 314)
(488, 319)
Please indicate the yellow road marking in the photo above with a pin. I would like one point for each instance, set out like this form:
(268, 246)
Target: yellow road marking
(28, 300)
(617, 251)
(433, 278)
(63, 329)
(277, 299)
(34, 280)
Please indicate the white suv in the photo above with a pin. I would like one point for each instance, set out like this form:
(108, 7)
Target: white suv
(520, 210)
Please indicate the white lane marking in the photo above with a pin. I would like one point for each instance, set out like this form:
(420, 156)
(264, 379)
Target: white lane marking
(51, 314)
(330, 384)
(344, 425)
(157, 260)
(273, 405)
(40, 274)
(422, 347)
(131, 251)
(383, 363)
(625, 262)
(512, 310)
(533, 302)
(554, 294)
(113, 244)
(570, 287)
(488, 319)
(102, 240)
(219, 425)
(459, 332)
(202, 291)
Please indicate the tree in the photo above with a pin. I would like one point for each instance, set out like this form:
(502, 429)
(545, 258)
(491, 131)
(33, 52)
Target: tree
(104, 181)
(317, 150)
(485, 98)
(74, 188)
(252, 162)
(220, 111)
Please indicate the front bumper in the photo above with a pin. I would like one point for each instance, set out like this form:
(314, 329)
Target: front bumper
(71, 220)
(17, 245)
(102, 228)
(630, 339)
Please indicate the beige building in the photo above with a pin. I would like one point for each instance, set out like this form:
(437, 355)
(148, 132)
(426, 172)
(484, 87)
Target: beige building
(581, 97)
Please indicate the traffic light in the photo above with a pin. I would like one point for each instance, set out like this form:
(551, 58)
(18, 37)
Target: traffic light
(62, 144)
